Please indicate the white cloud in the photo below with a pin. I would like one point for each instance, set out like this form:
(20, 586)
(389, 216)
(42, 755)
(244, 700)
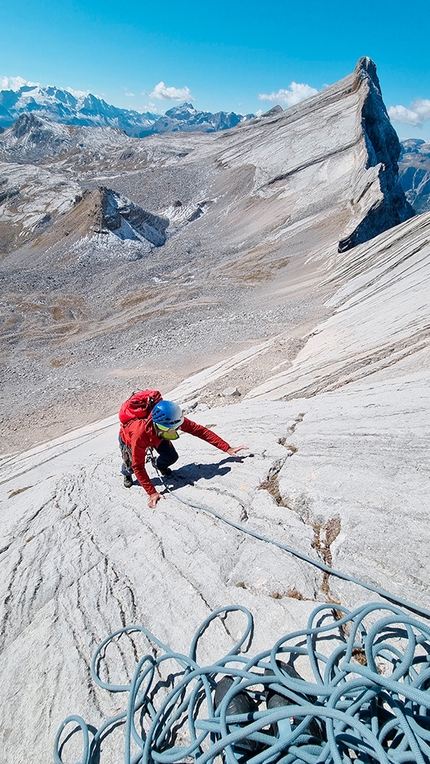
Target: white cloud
(422, 107)
(416, 115)
(15, 83)
(297, 92)
(165, 93)
(153, 108)
(128, 94)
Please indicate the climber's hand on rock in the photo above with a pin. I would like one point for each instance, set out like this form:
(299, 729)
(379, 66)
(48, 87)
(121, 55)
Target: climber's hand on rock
(154, 497)
(234, 450)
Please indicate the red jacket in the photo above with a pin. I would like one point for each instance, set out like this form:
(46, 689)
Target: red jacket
(139, 434)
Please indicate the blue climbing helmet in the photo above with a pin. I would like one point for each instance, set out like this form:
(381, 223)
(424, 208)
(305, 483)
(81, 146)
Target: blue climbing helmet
(167, 414)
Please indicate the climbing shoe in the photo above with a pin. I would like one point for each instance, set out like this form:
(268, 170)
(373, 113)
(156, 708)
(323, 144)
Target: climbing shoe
(166, 472)
(241, 703)
(283, 727)
(128, 481)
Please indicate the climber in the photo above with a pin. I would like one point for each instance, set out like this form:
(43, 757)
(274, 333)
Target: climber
(157, 430)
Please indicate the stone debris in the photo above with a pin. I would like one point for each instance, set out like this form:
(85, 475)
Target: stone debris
(150, 291)
(230, 392)
(334, 407)
(337, 469)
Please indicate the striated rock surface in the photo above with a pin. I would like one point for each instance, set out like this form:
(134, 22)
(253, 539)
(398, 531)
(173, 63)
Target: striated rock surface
(255, 217)
(380, 318)
(337, 469)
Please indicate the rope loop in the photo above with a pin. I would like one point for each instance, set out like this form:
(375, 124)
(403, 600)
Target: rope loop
(353, 686)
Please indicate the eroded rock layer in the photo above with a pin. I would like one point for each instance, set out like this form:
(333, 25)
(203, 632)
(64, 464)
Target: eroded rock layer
(236, 235)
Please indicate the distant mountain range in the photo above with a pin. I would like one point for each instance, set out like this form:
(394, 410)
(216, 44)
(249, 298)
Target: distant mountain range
(67, 108)
(71, 109)
(414, 173)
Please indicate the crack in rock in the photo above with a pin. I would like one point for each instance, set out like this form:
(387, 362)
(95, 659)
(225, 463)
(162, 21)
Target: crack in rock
(324, 535)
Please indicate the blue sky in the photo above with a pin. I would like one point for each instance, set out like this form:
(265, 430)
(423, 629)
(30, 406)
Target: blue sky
(220, 55)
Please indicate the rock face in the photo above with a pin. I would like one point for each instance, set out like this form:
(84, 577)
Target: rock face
(113, 213)
(255, 216)
(383, 153)
(337, 470)
(414, 173)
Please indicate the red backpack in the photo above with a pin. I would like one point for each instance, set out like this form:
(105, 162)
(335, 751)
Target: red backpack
(139, 405)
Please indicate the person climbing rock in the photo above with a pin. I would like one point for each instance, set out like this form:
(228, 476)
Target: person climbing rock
(157, 430)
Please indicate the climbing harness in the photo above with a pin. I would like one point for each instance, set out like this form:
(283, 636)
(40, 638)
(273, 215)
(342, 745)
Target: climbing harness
(365, 697)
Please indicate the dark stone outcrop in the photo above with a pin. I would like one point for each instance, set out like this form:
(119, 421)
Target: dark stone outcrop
(127, 220)
(383, 148)
(414, 173)
(31, 138)
(8, 194)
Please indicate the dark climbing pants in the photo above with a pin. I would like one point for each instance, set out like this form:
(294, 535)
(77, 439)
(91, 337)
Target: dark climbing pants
(167, 456)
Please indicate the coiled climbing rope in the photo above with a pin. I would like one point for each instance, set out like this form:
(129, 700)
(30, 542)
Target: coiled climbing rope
(350, 687)
(364, 696)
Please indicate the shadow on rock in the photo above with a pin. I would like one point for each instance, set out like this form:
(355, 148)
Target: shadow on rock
(191, 473)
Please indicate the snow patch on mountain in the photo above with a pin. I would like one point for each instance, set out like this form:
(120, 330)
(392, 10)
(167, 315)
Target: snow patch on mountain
(79, 108)
(414, 173)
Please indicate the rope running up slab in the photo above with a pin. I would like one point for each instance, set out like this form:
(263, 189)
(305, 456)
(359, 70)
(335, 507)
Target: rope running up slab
(395, 599)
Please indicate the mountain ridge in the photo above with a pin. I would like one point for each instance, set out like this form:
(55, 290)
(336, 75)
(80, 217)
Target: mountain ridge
(255, 216)
(67, 108)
